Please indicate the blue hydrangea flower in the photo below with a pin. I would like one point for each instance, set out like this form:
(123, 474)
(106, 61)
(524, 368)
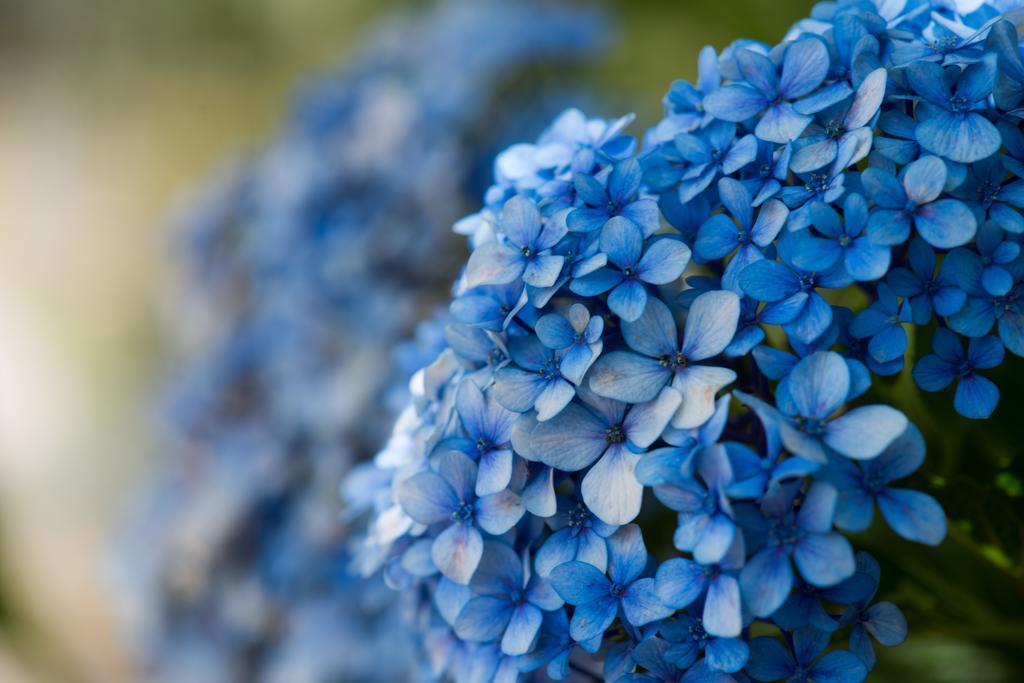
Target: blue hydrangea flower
(722, 234)
(576, 335)
(927, 291)
(914, 515)
(819, 146)
(681, 582)
(771, 661)
(808, 398)
(882, 322)
(712, 152)
(948, 121)
(658, 357)
(577, 535)
(976, 397)
(843, 240)
(508, 605)
(488, 430)
(801, 534)
(780, 98)
(526, 255)
(658, 262)
(914, 203)
(619, 198)
(598, 598)
(689, 640)
(609, 437)
(446, 496)
(535, 382)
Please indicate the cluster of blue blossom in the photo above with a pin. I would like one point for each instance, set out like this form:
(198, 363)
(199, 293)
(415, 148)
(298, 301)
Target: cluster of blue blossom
(235, 567)
(876, 151)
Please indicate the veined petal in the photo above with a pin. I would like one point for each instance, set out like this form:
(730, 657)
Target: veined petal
(456, 552)
(710, 324)
(699, 386)
(824, 559)
(494, 264)
(628, 377)
(611, 490)
(913, 515)
(863, 433)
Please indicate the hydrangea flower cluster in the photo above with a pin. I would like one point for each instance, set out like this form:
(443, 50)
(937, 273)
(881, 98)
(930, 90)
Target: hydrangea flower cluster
(235, 566)
(652, 340)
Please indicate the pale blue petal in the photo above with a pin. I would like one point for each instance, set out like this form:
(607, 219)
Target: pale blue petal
(913, 515)
(864, 432)
(456, 552)
(824, 559)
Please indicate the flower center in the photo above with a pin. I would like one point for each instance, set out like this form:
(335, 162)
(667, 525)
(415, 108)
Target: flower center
(834, 129)
(463, 514)
(959, 104)
(673, 360)
(550, 369)
(817, 183)
(810, 425)
(615, 434)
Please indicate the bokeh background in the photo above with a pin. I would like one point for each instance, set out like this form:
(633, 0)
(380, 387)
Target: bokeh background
(112, 114)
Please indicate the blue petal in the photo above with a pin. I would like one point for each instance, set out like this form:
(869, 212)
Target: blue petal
(494, 264)
(913, 515)
(499, 512)
(579, 583)
(887, 624)
(839, 666)
(628, 377)
(717, 237)
(864, 432)
(769, 660)
(768, 281)
(985, 352)
(622, 241)
(824, 559)
(804, 67)
(932, 373)
(483, 619)
(976, 397)
(571, 440)
(654, 332)
(628, 300)
(766, 581)
(710, 324)
(781, 123)
(610, 488)
(664, 261)
(543, 270)
(735, 103)
(516, 389)
(640, 604)
(957, 137)
(679, 582)
(924, 179)
(627, 555)
(819, 508)
(456, 552)
(722, 615)
(495, 472)
(427, 498)
(522, 630)
(521, 221)
(945, 224)
(819, 384)
(1011, 331)
(866, 261)
(553, 398)
(593, 618)
(726, 654)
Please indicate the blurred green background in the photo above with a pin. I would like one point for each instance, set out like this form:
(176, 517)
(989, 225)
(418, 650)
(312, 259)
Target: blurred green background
(111, 110)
